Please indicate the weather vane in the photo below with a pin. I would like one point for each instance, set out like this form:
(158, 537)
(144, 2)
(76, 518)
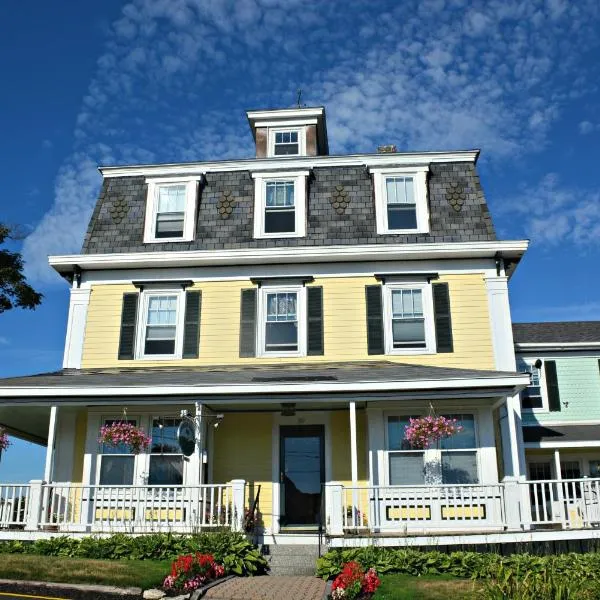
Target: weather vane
(299, 98)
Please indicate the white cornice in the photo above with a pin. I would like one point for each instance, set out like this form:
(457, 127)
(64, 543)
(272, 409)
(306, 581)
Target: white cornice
(512, 382)
(307, 254)
(555, 346)
(291, 162)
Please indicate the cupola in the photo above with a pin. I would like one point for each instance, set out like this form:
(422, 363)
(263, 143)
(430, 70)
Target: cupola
(289, 132)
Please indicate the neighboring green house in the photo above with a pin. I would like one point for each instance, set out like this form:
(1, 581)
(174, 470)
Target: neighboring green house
(561, 406)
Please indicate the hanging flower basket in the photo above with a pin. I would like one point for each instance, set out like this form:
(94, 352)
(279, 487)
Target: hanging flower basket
(4, 441)
(122, 432)
(423, 432)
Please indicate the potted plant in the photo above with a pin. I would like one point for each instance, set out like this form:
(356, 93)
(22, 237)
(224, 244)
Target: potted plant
(4, 441)
(124, 432)
(424, 432)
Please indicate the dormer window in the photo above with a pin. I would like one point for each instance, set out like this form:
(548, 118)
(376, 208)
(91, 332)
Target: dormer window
(170, 210)
(401, 200)
(280, 204)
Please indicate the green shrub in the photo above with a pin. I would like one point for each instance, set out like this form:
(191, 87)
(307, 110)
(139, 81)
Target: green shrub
(474, 565)
(514, 585)
(233, 550)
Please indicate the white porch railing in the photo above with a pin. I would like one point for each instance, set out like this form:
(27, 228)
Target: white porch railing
(73, 507)
(14, 505)
(570, 503)
(423, 508)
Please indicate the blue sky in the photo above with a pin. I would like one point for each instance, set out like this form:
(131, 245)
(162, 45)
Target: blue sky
(168, 80)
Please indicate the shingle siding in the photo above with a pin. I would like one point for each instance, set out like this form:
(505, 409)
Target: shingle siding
(125, 197)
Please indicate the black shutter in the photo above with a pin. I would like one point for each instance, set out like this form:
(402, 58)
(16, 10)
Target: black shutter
(552, 385)
(443, 320)
(374, 319)
(314, 301)
(248, 323)
(128, 323)
(191, 329)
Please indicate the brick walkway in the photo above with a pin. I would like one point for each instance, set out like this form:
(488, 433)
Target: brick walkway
(269, 588)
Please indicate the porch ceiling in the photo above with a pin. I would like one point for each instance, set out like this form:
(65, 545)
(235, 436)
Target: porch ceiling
(561, 436)
(26, 422)
(361, 378)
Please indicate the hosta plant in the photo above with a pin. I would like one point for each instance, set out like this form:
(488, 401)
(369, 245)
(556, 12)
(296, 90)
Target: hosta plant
(354, 582)
(123, 432)
(191, 571)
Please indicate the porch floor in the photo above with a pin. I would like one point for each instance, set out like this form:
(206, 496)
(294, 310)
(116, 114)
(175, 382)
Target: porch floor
(267, 587)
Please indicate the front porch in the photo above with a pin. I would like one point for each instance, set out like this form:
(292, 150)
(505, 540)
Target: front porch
(516, 510)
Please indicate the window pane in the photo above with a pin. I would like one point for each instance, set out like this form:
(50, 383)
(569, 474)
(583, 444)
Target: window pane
(463, 439)
(400, 190)
(402, 216)
(396, 430)
(169, 225)
(161, 328)
(164, 435)
(116, 470)
(459, 467)
(286, 142)
(407, 468)
(165, 470)
(409, 333)
(171, 199)
(159, 347)
(539, 471)
(281, 337)
(570, 469)
(407, 303)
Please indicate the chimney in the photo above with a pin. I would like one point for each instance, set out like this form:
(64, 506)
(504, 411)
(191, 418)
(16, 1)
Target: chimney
(387, 149)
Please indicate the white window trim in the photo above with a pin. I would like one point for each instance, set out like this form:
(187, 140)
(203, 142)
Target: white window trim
(432, 456)
(260, 196)
(143, 318)
(262, 319)
(189, 219)
(420, 179)
(428, 314)
(543, 392)
(301, 131)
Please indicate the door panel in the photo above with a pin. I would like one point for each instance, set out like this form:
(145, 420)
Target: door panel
(302, 473)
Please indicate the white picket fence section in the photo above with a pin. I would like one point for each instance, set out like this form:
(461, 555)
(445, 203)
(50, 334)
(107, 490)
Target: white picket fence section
(14, 505)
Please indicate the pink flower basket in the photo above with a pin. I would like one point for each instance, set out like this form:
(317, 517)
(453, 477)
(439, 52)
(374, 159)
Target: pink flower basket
(122, 432)
(4, 441)
(423, 432)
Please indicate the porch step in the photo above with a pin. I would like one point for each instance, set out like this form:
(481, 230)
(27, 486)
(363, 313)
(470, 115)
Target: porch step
(291, 559)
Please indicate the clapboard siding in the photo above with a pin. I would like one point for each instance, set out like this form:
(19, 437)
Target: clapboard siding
(344, 325)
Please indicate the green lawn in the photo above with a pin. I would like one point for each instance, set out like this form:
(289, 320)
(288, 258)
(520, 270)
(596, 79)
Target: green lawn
(428, 587)
(123, 573)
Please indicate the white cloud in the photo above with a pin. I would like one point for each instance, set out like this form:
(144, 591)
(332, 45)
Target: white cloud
(551, 213)
(176, 75)
(586, 127)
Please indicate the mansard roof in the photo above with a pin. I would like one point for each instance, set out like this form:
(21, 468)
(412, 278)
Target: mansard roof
(556, 333)
(117, 223)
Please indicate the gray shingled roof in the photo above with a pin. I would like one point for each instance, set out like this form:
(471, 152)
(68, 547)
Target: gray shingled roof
(117, 224)
(556, 332)
(561, 433)
(376, 371)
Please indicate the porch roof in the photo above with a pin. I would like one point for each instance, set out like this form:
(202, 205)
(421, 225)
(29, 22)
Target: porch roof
(360, 377)
(561, 436)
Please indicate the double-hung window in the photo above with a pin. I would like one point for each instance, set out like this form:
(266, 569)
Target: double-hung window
(166, 460)
(453, 460)
(401, 200)
(280, 204)
(170, 210)
(287, 141)
(117, 463)
(160, 333)
(408, 311)
(282, 328)
(531, 397)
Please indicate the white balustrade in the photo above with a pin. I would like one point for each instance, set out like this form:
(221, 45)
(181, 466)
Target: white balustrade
(14, 505)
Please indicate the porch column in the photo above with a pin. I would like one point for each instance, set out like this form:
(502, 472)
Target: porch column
(353, 449)
(199, 442)
(557, 468)
(560, 492)
(49, 465)
(504, 353)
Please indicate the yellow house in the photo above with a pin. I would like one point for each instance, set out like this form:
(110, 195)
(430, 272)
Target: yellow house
(272, 325)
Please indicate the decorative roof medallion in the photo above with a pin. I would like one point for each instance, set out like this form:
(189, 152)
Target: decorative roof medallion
(119, 209)
(225, 205)
(339, 199)
(455, 194)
